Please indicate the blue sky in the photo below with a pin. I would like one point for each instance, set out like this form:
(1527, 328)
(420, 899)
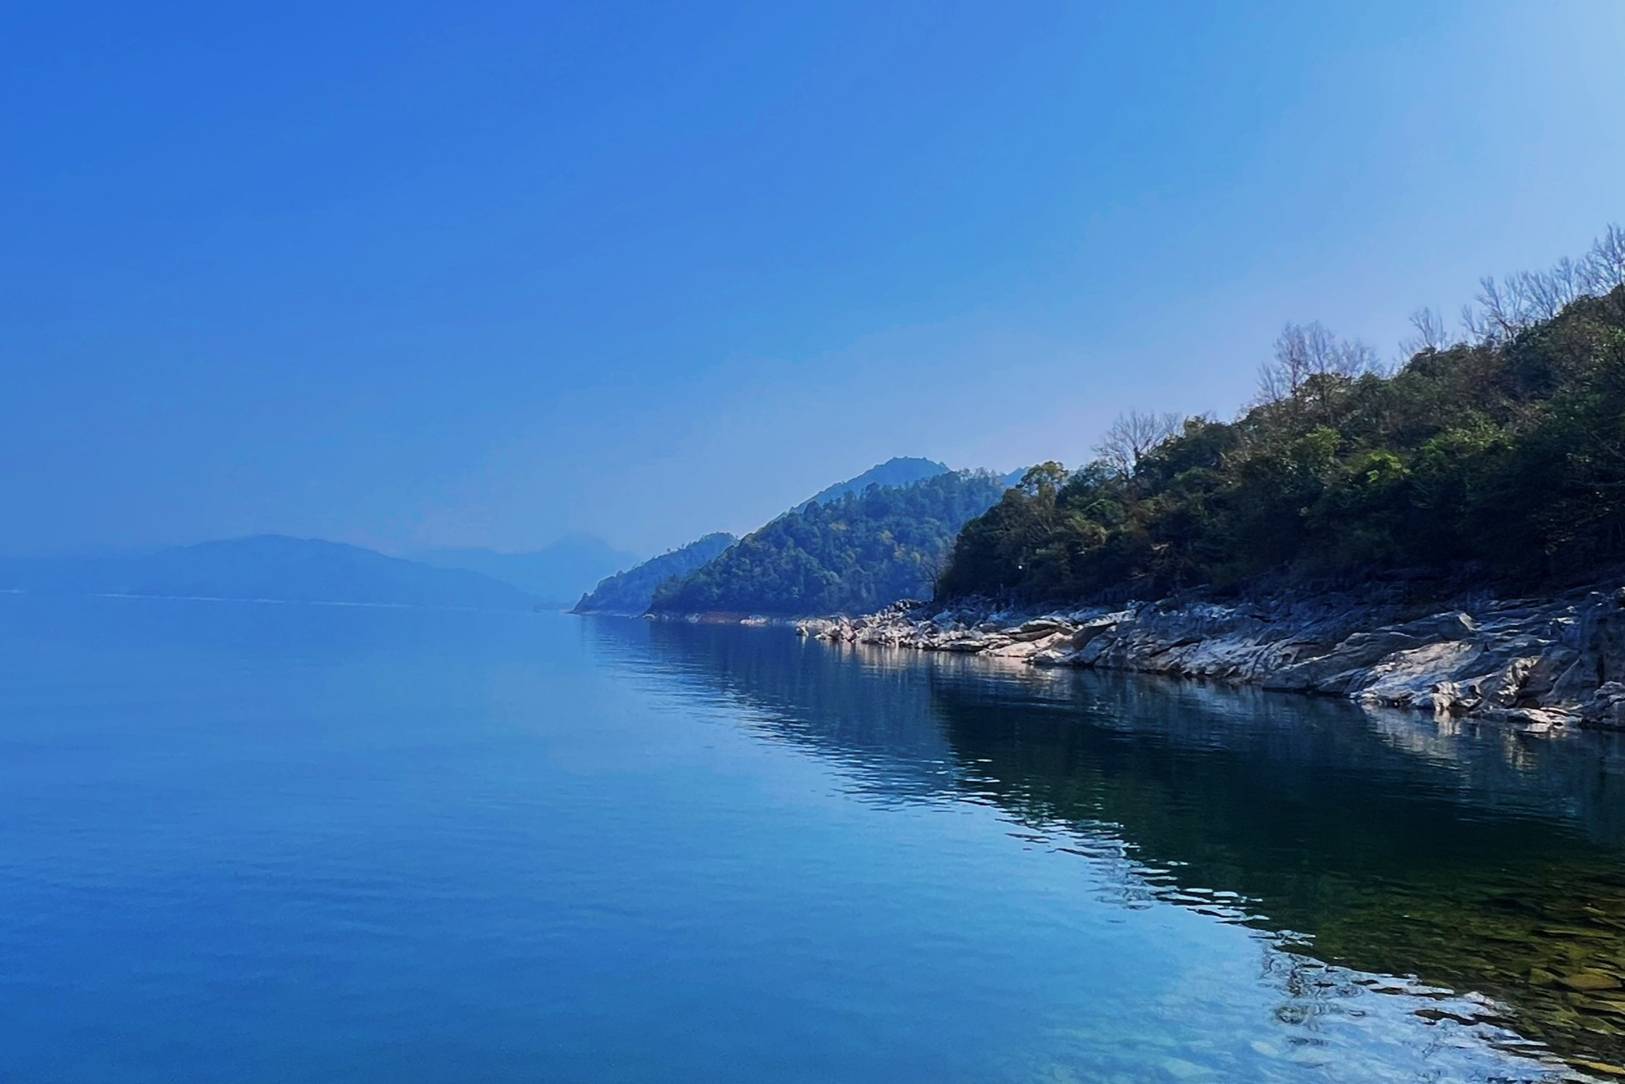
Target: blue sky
(408, 275)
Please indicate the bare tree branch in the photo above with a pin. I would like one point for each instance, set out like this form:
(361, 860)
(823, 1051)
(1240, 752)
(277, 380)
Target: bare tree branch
(1132, 435)
(1428, 333)
(1503, 308)
(1306, 351)
(1603, 268)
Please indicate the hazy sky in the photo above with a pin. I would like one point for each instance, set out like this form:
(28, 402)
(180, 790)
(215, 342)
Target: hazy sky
(411, 274)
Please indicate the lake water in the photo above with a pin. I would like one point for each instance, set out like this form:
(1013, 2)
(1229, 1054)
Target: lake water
(257, 842)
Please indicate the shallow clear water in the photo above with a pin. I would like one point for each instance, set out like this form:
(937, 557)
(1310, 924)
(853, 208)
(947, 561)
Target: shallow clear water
(278, 843)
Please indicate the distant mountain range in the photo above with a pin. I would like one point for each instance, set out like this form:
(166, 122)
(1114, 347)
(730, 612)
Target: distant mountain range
(856, 544)
(630, 592)
(555, 575)
(271, 567)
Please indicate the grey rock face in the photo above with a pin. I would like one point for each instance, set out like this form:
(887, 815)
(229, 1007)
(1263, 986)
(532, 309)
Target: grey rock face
(1532, 663)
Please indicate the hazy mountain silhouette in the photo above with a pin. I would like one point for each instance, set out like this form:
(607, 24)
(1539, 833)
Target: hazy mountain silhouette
(264, 567)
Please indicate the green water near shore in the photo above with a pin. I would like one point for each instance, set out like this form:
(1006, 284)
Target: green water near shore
(1463, 855)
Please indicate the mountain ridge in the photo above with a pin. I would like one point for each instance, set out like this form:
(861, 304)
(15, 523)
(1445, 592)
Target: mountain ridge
(631, 591)
(899, 470)
(271, 567)
(859, 551)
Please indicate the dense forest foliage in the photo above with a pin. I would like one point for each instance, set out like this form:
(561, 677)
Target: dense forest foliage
(631, 591)
(849, 555)
(1503, 451)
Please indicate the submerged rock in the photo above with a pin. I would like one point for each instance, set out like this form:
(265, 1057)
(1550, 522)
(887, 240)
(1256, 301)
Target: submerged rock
(1586, 981)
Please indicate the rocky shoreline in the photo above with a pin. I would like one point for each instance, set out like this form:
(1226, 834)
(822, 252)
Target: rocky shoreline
(1536, 663)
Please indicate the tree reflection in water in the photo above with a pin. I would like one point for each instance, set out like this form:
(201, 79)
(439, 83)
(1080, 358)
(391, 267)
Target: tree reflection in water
(1360, 845)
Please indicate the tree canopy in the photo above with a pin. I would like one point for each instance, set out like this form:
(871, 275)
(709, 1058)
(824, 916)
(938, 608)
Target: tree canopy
(1505, 451)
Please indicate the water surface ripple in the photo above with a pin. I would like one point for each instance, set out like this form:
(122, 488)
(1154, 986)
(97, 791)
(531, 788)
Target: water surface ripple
(248, 842)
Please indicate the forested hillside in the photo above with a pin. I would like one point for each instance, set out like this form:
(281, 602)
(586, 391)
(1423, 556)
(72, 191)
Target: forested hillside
(1503, 451)
(630, 592)
(897, 471)
(847, 555)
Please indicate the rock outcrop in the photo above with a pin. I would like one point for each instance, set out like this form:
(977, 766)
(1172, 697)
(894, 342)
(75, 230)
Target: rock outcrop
(1537, 663)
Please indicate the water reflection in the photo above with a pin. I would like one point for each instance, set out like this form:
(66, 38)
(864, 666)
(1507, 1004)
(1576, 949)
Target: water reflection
(1469, 860)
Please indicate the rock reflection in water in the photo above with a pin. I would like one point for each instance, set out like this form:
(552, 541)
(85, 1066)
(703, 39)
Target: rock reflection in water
(1360, 845)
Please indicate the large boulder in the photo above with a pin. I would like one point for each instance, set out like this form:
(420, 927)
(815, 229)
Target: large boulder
(1605, 707)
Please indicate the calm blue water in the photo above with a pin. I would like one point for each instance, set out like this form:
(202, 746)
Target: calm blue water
(285, 843)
